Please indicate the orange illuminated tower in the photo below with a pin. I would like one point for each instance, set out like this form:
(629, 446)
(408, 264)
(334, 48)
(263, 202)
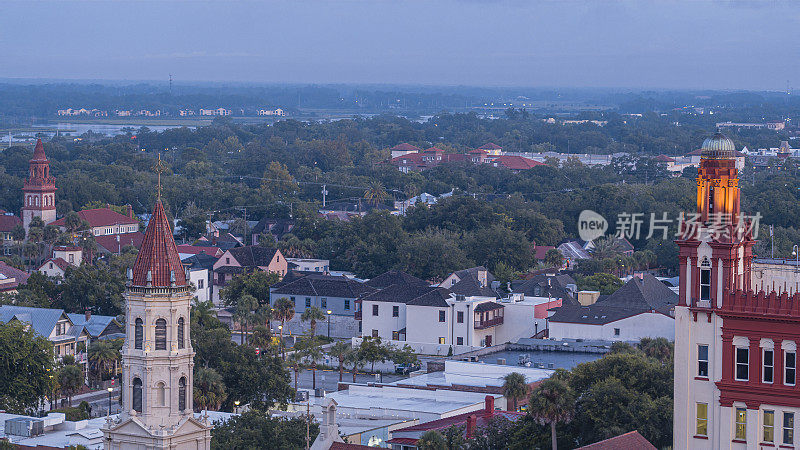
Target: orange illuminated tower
(39, 189)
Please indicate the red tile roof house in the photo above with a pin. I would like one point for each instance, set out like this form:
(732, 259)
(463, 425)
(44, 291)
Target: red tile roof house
(403, 149)
(492, 148)
(244, 259)
(112, 230)
(470, 422)
(628, 441)
(514, 163)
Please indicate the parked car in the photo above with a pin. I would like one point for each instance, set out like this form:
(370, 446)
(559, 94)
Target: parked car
(405, 369)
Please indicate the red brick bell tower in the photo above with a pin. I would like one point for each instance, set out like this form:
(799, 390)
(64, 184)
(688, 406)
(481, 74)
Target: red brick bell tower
(39, 189)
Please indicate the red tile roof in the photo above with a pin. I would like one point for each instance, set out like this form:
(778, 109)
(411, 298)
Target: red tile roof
(8, 222)
(540, 251)
(628, 441)
(158, 256)
(405, 147)
(57, 261)
(490, 146)
(197, 249)
(410, 158)
(12, 272)
(516, 162)
(478, 150)
(101, 217)
(110, 244)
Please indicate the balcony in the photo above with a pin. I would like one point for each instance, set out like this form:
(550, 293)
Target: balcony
(483, 324)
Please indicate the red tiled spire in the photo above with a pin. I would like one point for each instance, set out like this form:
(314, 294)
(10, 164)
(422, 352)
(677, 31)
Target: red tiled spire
(38, 152)
(158, 256)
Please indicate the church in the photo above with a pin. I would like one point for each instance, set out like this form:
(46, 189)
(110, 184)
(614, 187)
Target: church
(735, 348)
(157, 357)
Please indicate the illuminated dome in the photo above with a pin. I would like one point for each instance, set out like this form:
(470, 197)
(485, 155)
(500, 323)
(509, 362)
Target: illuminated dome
(718, 147)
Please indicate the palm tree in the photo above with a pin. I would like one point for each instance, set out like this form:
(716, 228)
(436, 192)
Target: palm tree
(605, 248)
(375, 194)
(515, 387)
(203, 312)
(339, 351)
(284, 311)
(432, 440)
(356, 360)
(552, 402)
(311, 352)
(209, 389)
(312, 314)
(102, 355)
(244, 312)
(261, 338)
(70, 378)
(295, 361)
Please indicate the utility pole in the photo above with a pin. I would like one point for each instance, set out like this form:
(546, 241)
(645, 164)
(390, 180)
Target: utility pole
(324, 193)
(308, 425)
(170, 84)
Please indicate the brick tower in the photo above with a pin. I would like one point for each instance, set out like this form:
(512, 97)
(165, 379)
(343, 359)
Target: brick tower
(39, 190)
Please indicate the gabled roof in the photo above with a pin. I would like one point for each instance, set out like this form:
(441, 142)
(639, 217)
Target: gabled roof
(541, 251)
(12, 272)
(8, 222)
(490, 146)
(400, 293)
(277, 227)
(470, 287)
(391, 277)
(253, 255)
(200, 261)
(436, 297)
(101, 217)
(628, 441)
(473, 272)
(573, 250)
(95, 326)
(198, 249)
(637, 296)
(554, 286)
(57, 261)
(409, 158)
(158, 263)
(42, 320)
(515, 162)
(326, 286)
(110, 243)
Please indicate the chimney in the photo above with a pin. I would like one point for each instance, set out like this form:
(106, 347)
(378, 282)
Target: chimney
(129, 211)
(472, 421)
(489, 405)
(88, 314)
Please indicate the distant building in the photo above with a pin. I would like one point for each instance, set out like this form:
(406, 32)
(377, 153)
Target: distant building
(775, 126)
(271, 112)
(215, 112)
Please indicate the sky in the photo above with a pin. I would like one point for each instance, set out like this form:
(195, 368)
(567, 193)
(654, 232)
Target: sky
(568, 43)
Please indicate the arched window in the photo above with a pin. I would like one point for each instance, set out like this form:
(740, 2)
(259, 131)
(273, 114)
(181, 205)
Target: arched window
(182, 394)
(161, 334)
(161, 394)
(138, 334)
(180, 332)
(705, 279)
(137, 395)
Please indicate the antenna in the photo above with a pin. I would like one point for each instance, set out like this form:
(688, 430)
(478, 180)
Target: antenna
(170, 84)
(159, 168)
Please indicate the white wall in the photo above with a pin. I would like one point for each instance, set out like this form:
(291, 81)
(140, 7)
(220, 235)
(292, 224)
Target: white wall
(204, 294)
(631, 328)
(422, 324)
(384, 322)
(518, 322)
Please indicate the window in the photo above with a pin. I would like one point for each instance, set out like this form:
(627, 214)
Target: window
(705, 280)
(374, 333)
(441, 340)
(741, 424)
(460, 317)
(616, 331)
(374, 310)
(768, 366)
(459, 341)
(395, 335)
(136, 396)
(200, 284)
(51, 265)
(441, 316)
(181, 324)
(788, 428)
(138, 334)
(702, 361)
(790, 368)
(769, 426)
(308, 302)
(161, 394)
(347, 304)
(742, 363)
(701, 429)
(395, 311)
(161, 334)
(324, 303)
(182, 394)
(108, 231)
(227, 260)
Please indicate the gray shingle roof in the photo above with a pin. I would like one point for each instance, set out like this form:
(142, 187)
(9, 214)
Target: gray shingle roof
(326, 286)
(253, 255)
(436, 297)
(470, 287)
(42, 320)
(391, 277)
(399, 293)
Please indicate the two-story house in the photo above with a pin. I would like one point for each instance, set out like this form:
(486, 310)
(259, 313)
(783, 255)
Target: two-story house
(239, 260)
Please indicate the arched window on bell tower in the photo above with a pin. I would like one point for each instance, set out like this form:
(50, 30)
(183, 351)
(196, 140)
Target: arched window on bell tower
(182, 394)
(138, 334)
(181, 327)
(705, 280)
(137, 395)
(161, 334)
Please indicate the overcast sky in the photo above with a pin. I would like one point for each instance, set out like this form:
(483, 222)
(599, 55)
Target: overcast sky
(603, 43)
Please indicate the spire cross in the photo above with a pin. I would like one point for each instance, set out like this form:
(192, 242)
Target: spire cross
(159, 168)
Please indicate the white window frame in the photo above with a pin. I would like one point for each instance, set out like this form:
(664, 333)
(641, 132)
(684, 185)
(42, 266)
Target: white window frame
(764, 426)
(702, 361)
(705, 267)
(764, 366)
(698, 420)
(784, 428)
(736, 363)
(786, 367)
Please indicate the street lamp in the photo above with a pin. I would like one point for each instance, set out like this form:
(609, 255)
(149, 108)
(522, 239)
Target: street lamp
(109, 389)
(236, 407)
(796, 255)
(280, 344)
(329, 324)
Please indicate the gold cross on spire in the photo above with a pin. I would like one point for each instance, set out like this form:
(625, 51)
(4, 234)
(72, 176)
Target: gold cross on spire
(159, 168)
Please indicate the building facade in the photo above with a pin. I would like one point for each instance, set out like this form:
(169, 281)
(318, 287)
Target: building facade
(39, 190)
(157, 356)
(735, 348)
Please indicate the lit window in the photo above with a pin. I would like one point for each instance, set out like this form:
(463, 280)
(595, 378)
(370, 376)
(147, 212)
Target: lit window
(441, 340)
(768, 366)
(702, 420)
(769, 426)
(790, 368)
(702, 360)
(395, 335)
(742, 364)
(788, 428)
(741, 424)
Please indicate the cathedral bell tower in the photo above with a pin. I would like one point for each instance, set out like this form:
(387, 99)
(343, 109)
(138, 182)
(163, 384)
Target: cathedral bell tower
(39, 190)
(157, 357)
